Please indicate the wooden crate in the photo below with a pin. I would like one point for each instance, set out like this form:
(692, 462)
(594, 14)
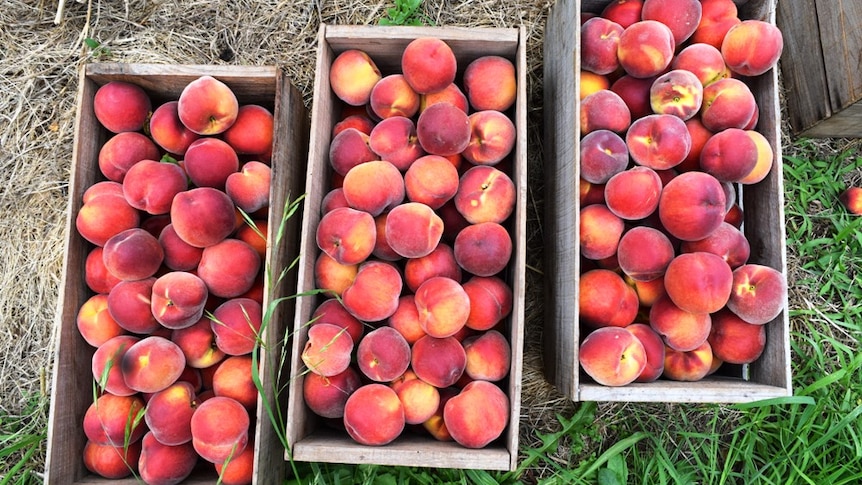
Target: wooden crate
(821, 68)
(309, 438)
(763, 205)
(72, 382)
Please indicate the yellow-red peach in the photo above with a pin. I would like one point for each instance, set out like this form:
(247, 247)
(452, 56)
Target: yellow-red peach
(350, 148)
(735, 341)
(759, 293)
(646, 48)
(347, 235)
(658, 141)
(431, 180)
(254, 234)
(600, 40)
(133, 254)
(419, 399)
(648, 291)
(634, 193)
(129, 305)
(677, 92)
(635, 94)
(112, 462)
(332, 276)
(605, 299)
(198, 344)
(178, 299)
(394, 140)
(752, 47)
(236, 325)
(851, 199)
(203, 216)
(152, 364)
(600, 231)
(168, 131)
(591, 82)
(623, 12)
(450, 94)
(604, 110)
(123, 150)
(603, 154)
(654, 349)
(413, 229)
(729, 155)
(443, 306)
(326, 396)
(352, 76)
(373, 415)
(702, 60)
(485, 194)
(121, 106)
(382, 250)
(234, 379)
(220, 429)
(692, 205)
(435, 426)
(115, 420)
(374, 187)
(727, 103)
(443, 129)
(726, 241)
(765, 159)
(438, 361)
(483, 249)
(490, 83)
(644, 253)
(718, 16)
(679, 329)
(207, 106)
(681, 16)
(333, 200)
(491, 301)
(428, 64)
(249, 187)
(104, 216)
(106, 364)
(405, 319)
(252, 131)
(478, 415)
(229, 268)
(169, 414)
(612, 356)
(492, 137)
(178, 254)
(239, 470)
(328, 349)
(488, 356)
(361, 122)
(94, 321)
(699, 135)
(393, 96)
(439, 262)
(699, 282)
(150, 186)
(383, 354)
(373, 295)
(689, 366)
(332, 311)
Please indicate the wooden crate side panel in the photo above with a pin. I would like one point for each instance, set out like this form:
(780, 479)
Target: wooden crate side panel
(711, 389)
(841, 42)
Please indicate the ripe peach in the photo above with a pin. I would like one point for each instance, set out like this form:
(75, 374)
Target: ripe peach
(450, 94)
(729, 155)
(350, 148)
(383, 354)
(759, 293)
(735, 341)
(488, 356)
(207, 106)
(249, 188)
(239, 470)
(419, 399)
(328, 349)
(332, 276)
(702, 60)
(677, 92)
(851, 199)
(699, 282)
(603, 155)
(727, 103)
(121, 106)
(726, 241)
(373, 415)
(112, 462)
(453, 221)
(393, 96)
(765, 159)
(699, 136)
(654, 349)
(333, 200)
(198, 344)
(406, 320)
(438, 361)
(692, 206)
(94, 321)
(220, 429)
(623, 12)
(123, 150)
(443, 306)
(485, 194)
(413, 229)
(129, 305)
(634, 193)
(115, 420)
(209, 162)
(347, 235)
(332, 311)
(178, 254)
(428, 64)
(591, 82)
(435, 425)
(431, 180)
(483, 249)
(689, 366)
(635, 94)
(658, 141)
(373, 295)
(236, 325)
(326, 396)
(612, 356)
(394, 139)
(648, 291)
(352, 76)
(229, 268)
(101, 188)
(255, 235)
(646, 48)
(491, 301)
(361, 122)
(168, 131)
(717, 18)
(477, 415)
(490, 83)
(150, 186)
(680, 330)
(644, 253)
(152, 364)
(600, 231)
(178, 299)
(492, 137)
(382, 250)
(604, 110)
(606, 300)
(133, 254)
(682, 17)
(233, 379)
(203, 216)
(439, 262)
(106, 364)
(443, 129)
(752, 47)
(600, 40)
(374, 187)
(169, 414)
(252, 131)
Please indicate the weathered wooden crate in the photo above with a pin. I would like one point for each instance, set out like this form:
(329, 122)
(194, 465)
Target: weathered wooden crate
(821, 67)
(763, 205)
(310, 439)
(72, 381)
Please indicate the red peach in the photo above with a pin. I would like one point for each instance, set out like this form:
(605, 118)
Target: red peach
(600, 231)
(490, 83)
(203, 216)
(168, 131)
(604, 110)
(350, 148)
(207, 106)
(688, 366)
(682, 16)
(121, 106)
(478, 415)
(333, 200)
(699, 136)
(623, 12)
(382, 250)
(605, 299)
(236, 325)
(361, 122)
(383, 354)
(677, 92)
(150, 186)
(123, 150)
(438, 361)
(492, 137)
(332, 276)
(133, 254)
(612, 356)
(644, 253)
(169, 414)
(328, 349)
(646, 48)
(428, 64)
(326, 396)
(347, 235)
(209, 162)
(115, 420)
(152, 364)
(658, 141)
(406, 320)
(106, 364)
(851, 199)
(759, 293)
(373, 295)
(374, 187)
(702, 60)
(439, 262)
(635, 94)
(112, 462)
(729, 155)
(488, 356)
(413, 229)
(735, 341)
(727, 103)
(94, 321)
(600, 40)
(680, 330)
(654, 349)
(239, 470)
(249, 188)
(634, 193)
(443, 129)
(699, 282)
(178, 254)
(373, 415)
(603, 154)
(234, 378)
(129, 305)
(443, 306)
(352, 76)
(450, 94)
(752, 47)
(485, 194)
(220, 429)
(393, 96)
(717, 18)
(420, 400)
(692, 206)
(726, 241)
(198, 344)
(229, 268)
(252, 131)
(178, 299)
(491, 301)
(332, 311)
(431, 180)
(483, 249)
(395, 140)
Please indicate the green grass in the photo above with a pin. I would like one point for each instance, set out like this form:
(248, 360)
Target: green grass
(22, 442)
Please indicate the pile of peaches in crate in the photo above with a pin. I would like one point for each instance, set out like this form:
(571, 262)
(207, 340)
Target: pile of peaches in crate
(668, 141)
(176, 272)
(413, 242)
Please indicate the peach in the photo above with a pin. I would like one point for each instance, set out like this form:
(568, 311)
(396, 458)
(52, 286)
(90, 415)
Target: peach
(178, 299)
(178, 254)
(393, 96)
(851, 199)
(635, 94)
(347, 235)
(112, 462)
(729, 155)
(490, 83)
(453, 221)
(150, 186)
(419, 399)
(718, 16)
(394, 139)
(600, 231)
(488, 356)
(759, 293)
(236, 325)
(133, 254)
(492, 137)
(198, 344)
(605, 299)
(333, 200)
(123, 150)
(168, 131)
(699, 136)
(383, 354)
(129, 304)
(600, 40)
(326, 396)
(752, 47)
(702, 60)
(373, 415)
(612, 356)
(328, 349)
(623, 12)
(483, 249)
(252, 131)
(677, 92)
(254, 233)
(234, 379)
(644, 253)
(765, 159)
(654, 348)
(658, 141)
(249, 188)
(220, 429)
(491, 301)
(209, 162)
(203, 216)
(726, 241)
(679, 329)
(443, 306)
(735, 341)
(439, 262)
(727, 103)
(443, 129)
(229, 268)
(169, 414)
(121, 106)
(485, 194)
(431, 180)
(692, 206)
(152, 364)
(478, 415)
(699, 282)
(332, 276)
(689, 366)
(682, 16)
(428, 64)
(361, 122)
(413, 229)
(382, 250)
(94, 321)
(634, 193)
(648, 291)
(435, 425)
(373, 295)
(101, 188)
(239, 470)
(207, 106)
(591, 82)
(646, 48)
(106, 364)
(406, 320)
(155, 224)
(350, 148)
(604, 110)
(115, 420)
(352, 76)
(450, 94)
(438, 361)
(603, 155)
(332, 311)
(374, 187)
